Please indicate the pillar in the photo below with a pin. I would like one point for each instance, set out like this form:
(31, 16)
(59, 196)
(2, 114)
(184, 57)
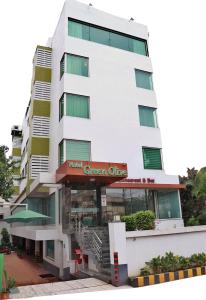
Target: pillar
(118, 253)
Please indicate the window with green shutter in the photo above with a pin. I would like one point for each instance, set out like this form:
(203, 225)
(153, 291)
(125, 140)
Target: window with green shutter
(147, 116)
(152, 158)
(77, 106)
(78, 150)
(77, 65)
(74, 106)
(144, 79)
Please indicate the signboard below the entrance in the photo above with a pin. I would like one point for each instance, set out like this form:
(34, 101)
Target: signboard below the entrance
(103, 200)
(138, 180)
(95, 169)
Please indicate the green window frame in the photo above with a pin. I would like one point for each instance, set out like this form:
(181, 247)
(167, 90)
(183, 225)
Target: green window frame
(152, 158)
(74, 150)
(62, 66)
(61, 153)
(77, 65)
(78, 150)
(148, 116)
(104, 36)
(50, 251)
(74, 105)
(144, 79)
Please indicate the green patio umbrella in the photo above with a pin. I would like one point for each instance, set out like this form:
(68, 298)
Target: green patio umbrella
(25, 216)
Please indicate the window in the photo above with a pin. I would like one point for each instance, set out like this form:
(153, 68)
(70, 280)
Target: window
(74, 150)
(147, 116)
(79, 150)
(78, 30)
(62, 64)
(61, 107)
(77, 65)
(61, 153)
(152, 158)
(107, 37)
(99, 36)
(76, 106)
(168, 205)
(144, 79)
(50, 249)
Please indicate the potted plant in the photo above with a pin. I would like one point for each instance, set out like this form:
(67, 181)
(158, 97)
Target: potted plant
(9, 284)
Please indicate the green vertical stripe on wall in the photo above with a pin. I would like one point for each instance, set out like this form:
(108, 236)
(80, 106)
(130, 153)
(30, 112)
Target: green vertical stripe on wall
(1, 270)
(42, 74)
(41, 108)
(39, 146)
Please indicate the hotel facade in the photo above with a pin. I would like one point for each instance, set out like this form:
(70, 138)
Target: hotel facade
(89, 149)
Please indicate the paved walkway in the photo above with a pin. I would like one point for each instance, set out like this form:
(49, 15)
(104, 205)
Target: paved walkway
(24, 270)
(64, 287)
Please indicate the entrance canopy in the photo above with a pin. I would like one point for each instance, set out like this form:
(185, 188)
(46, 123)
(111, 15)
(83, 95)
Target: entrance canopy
(100, 173)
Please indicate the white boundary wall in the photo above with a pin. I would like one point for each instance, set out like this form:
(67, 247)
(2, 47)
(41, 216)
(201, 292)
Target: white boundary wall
(142, 246)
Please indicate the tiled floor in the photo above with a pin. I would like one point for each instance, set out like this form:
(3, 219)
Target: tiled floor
(66, 287)
(24, 270)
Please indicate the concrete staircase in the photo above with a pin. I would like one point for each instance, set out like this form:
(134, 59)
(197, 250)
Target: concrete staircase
(94, 241)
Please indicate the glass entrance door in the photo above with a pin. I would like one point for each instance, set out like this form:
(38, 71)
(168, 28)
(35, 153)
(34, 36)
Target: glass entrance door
(84, 208)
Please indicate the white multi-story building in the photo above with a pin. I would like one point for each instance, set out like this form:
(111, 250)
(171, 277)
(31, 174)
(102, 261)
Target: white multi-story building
(90, 144)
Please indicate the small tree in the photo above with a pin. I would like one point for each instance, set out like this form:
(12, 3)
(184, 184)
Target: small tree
(5, 240)
(6, 172)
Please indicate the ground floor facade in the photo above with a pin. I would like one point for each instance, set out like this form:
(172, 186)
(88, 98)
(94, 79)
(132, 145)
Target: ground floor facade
(81, 200)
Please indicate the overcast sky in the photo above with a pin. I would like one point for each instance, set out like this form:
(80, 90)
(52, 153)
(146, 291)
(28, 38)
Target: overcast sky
(177, 47)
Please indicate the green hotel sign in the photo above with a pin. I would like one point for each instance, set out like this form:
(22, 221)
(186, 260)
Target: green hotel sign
(105, 169)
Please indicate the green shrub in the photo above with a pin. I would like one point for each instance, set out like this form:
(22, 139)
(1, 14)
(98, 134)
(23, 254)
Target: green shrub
(5, 240)
(145, 271)
(144, 220)
(192, 222)
(130, 222)
(170, 263)
(202, 217)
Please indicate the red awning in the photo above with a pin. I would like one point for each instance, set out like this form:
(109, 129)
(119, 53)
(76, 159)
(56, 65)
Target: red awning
(102, 173)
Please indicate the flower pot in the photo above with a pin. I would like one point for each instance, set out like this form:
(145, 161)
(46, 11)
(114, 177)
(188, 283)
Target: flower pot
(4, 295)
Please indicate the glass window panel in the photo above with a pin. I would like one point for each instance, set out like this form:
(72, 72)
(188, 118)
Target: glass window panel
(99, 36)
(152, 158)
(78, 150)
(168, 205)
(77, 106)
(61, 107)
(147, 116)
(61, 153)
(62, 67)
(78, 30)
(77, 65)
(105, 36)
(50, 249)
(144, 79)
(83, 208)
(119, 41)
(138, 46)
